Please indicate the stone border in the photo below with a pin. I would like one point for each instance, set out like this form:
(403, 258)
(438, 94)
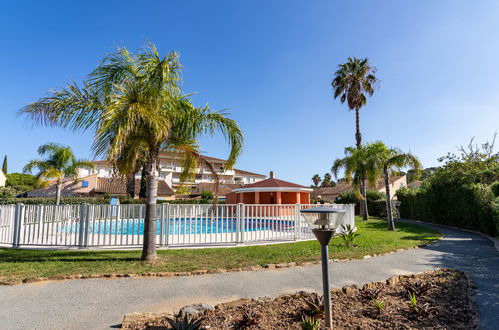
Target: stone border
(203, 272)
(132, 319)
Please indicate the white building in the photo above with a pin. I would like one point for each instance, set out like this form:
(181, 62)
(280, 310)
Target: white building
(171, 168)
(3, 179)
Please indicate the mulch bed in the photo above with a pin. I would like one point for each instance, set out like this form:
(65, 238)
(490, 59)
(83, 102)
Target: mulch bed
(443, 302)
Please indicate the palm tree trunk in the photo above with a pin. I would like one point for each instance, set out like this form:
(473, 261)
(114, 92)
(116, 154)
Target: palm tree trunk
(130, 185)
(149, 247)
(363, 190)
(389, 213)
(58, 192)
(358, 136)
(363, 203)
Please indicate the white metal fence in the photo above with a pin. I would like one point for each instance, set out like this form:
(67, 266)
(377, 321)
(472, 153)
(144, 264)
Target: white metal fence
(176, 225)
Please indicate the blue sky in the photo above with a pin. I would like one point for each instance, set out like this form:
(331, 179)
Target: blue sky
(270, 63)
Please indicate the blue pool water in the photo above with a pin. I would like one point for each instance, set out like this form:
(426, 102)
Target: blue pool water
(180, 226)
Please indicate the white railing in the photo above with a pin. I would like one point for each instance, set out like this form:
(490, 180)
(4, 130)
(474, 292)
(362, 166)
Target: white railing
(176, 225)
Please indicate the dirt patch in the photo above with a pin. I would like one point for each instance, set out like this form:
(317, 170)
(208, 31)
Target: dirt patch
(442, 302)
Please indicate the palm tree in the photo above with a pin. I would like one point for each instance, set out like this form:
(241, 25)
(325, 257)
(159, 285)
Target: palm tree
(357, 164)
(60, 162)
(352, 82)
(385, 161)
(326, 182)
(135, 105)
(316, 179)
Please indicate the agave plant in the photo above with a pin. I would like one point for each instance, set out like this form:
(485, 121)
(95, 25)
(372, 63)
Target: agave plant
(310, 323)
(417, 288)
(185, 323)
(315, 303)
(378, 304)
(249, 318)
(371, 294)
(348, 234)
(417, 307)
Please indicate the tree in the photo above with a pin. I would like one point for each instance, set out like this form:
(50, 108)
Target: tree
(351, 83)
(356, 165)
(316, 179)
(135, 105)
(59, 162)
(385, 161)
(4, 165)
(326, 182)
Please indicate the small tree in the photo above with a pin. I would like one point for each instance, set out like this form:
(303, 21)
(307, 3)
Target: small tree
(4, 165)
(385, 161)
(60, 162)
(326, 182)
(316, 179)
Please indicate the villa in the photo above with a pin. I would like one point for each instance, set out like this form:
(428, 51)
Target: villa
(331, 193)
(100, 181)
(171, 168)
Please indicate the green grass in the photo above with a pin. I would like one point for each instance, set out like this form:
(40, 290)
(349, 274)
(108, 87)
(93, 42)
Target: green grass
(16, 265)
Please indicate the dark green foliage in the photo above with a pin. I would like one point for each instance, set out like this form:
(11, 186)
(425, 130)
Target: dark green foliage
(96, 200)
(20, 179)
(350, 198)
(376, 203)
(208, 195)
(425, 173)
(50, 200)
(185, 323)
(495, 188)
(468, 206)
(458, 193)
(4, 165)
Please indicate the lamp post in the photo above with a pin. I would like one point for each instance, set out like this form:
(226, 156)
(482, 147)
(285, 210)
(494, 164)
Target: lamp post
(323, 221)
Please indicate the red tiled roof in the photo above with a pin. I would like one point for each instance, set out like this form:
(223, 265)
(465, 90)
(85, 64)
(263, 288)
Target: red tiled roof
(274, 183)
(223, 188)
(118, 186)
(248, 173)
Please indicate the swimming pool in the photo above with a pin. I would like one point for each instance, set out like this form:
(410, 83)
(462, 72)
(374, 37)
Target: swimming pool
(181, 226)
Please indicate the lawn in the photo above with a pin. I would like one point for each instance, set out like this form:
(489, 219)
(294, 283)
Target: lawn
(16, 265)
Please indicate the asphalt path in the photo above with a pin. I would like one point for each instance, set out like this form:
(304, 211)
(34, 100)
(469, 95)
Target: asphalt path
(102, 303)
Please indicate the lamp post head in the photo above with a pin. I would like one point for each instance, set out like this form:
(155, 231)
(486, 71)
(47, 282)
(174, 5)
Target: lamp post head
(323, 221)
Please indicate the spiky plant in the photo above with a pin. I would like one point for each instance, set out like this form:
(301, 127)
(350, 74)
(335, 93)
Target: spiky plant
(185, 322)
(348, 235)
(315, 304)
(310, 323)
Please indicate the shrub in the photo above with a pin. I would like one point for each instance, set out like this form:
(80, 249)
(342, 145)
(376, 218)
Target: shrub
(207, 195)
(376, 203)
(51, 200)
(469, 206)
(495, 188)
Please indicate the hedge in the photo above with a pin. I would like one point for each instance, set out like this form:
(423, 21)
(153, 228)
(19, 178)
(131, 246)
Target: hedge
(376, 203)
(95, 200)
(468, 206)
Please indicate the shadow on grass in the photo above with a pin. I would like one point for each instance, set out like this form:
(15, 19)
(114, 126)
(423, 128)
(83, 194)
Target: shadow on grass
(17, 256)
